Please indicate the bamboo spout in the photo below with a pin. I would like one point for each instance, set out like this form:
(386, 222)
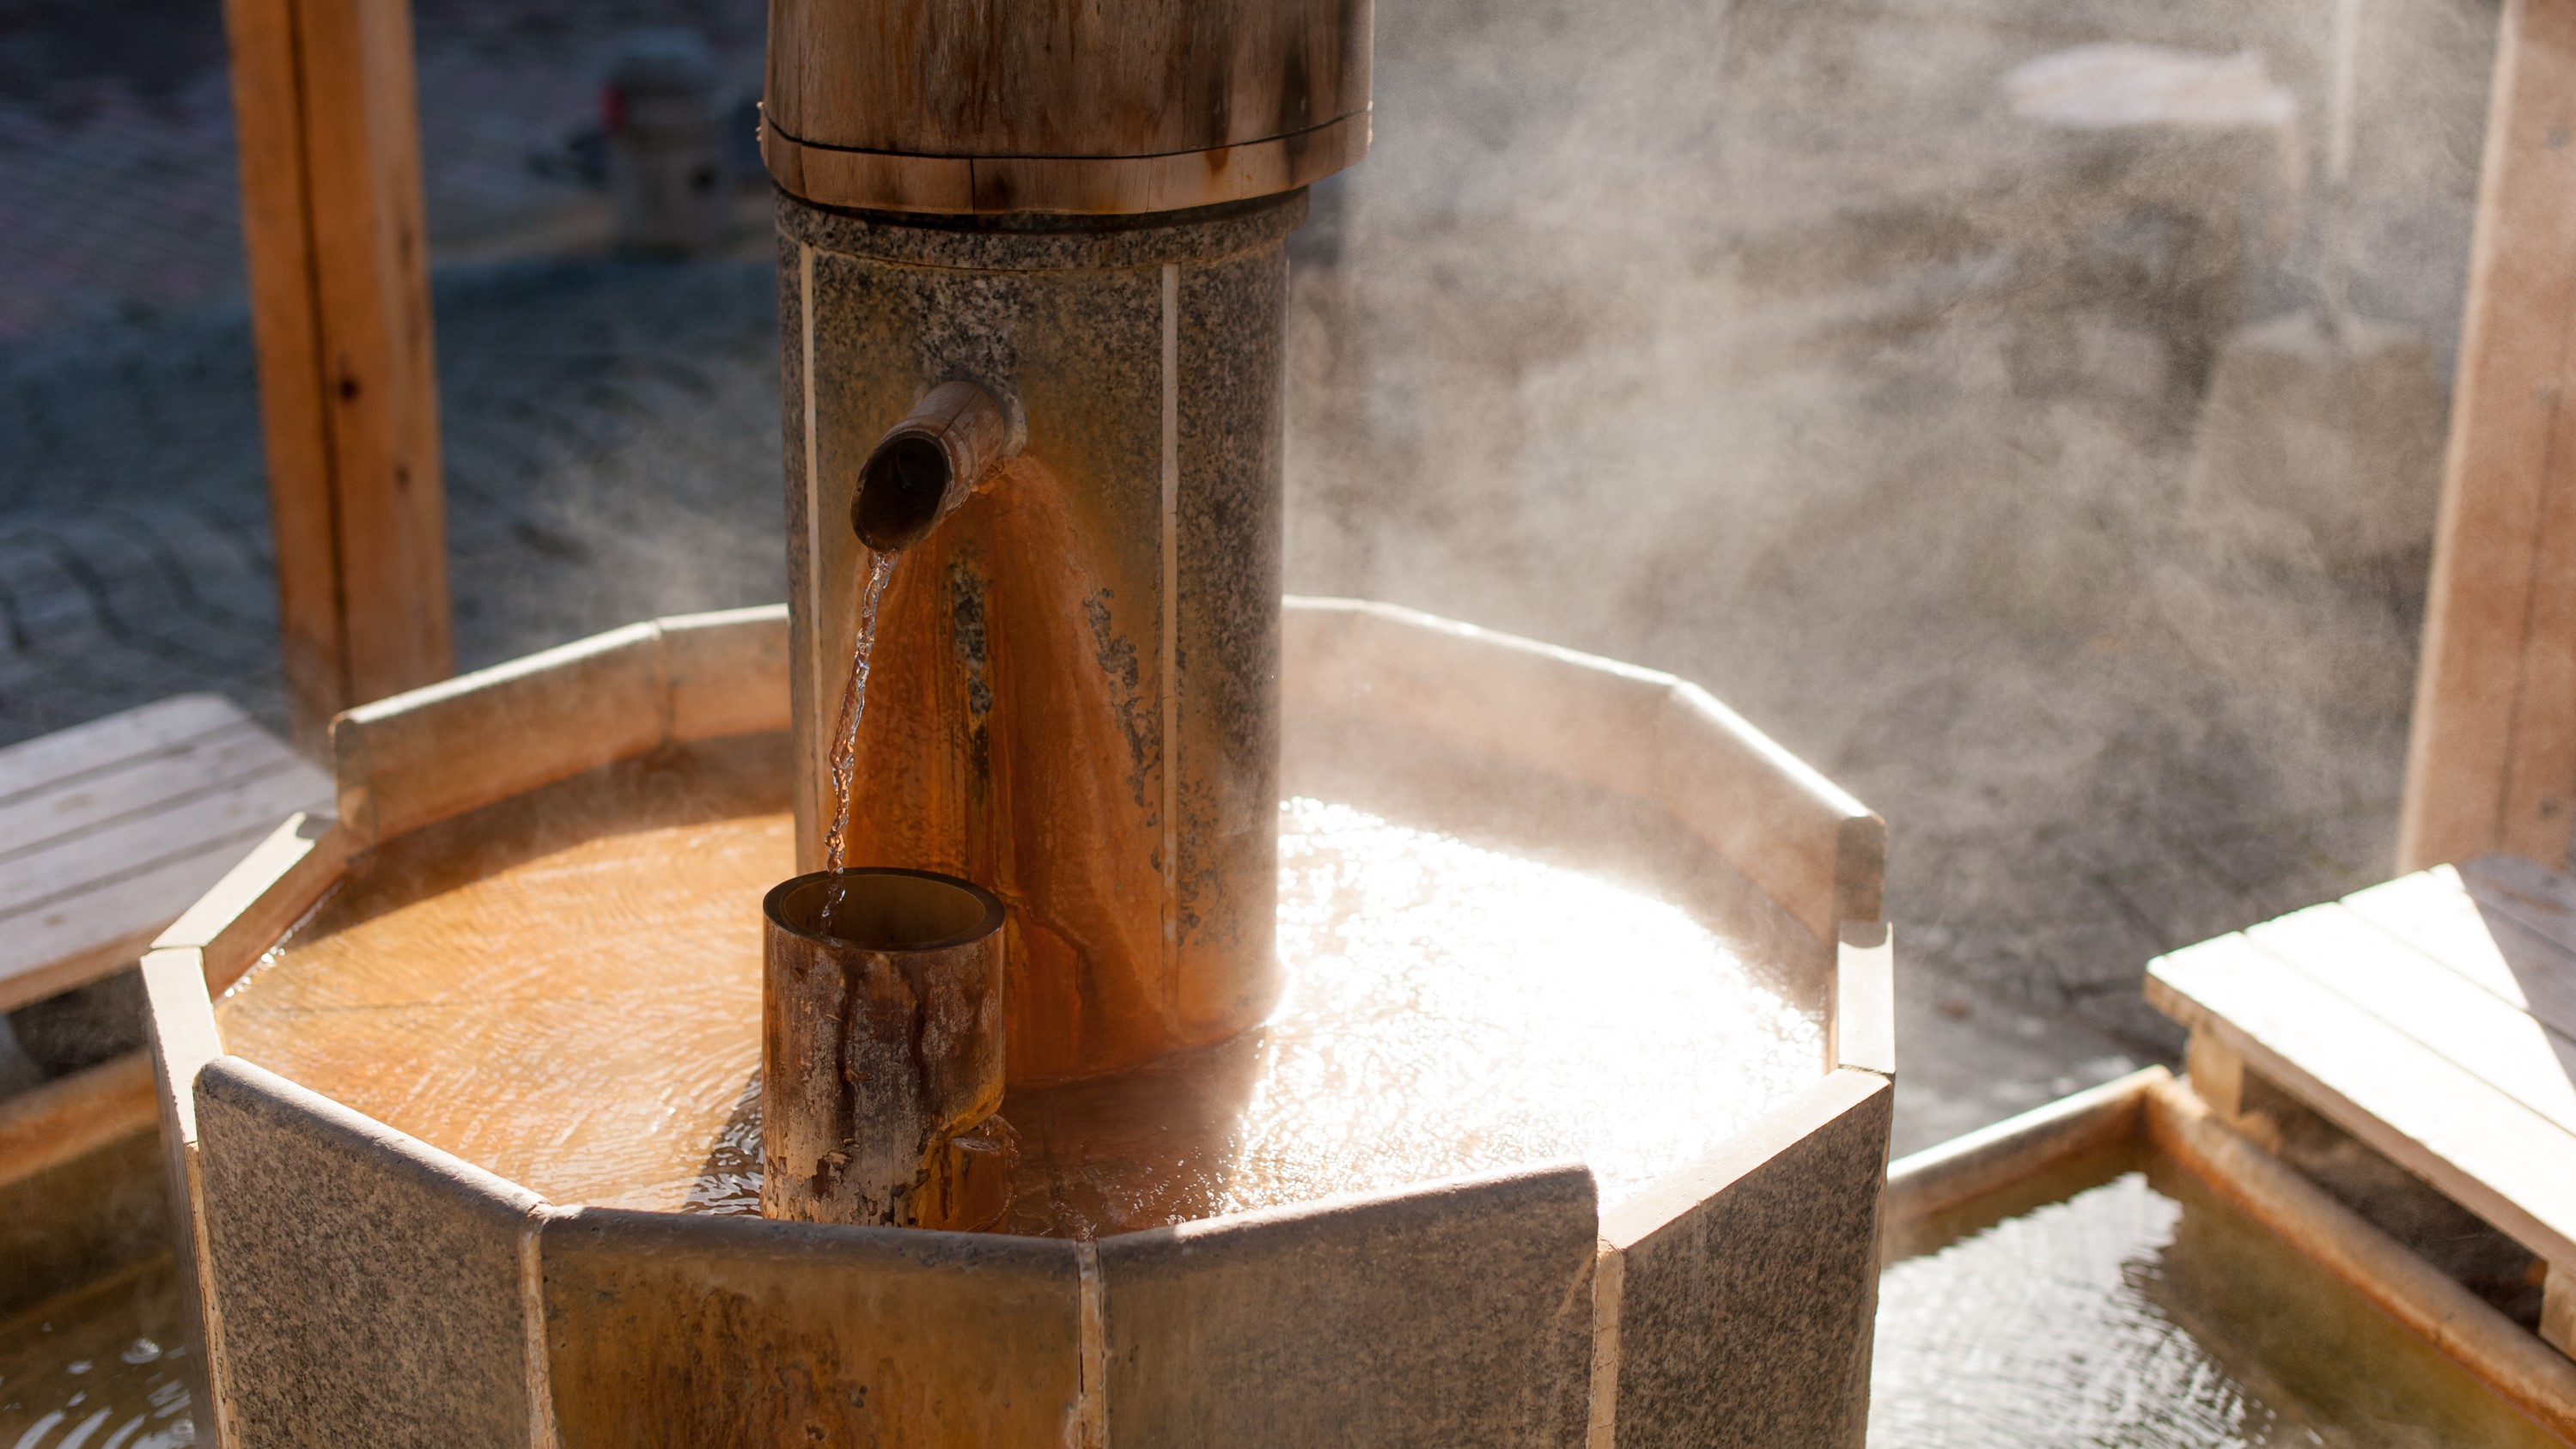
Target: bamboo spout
(926, 465)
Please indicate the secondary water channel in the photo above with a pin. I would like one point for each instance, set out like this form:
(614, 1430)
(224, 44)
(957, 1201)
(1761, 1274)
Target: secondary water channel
(2120, 1302)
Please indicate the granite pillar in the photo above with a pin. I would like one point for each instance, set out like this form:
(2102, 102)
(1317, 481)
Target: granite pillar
(1074, 694)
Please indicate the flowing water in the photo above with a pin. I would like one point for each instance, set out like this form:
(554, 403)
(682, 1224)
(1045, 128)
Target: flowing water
(2141, 1311)
(100, 1368)
(854, 706)
(1450, 1007)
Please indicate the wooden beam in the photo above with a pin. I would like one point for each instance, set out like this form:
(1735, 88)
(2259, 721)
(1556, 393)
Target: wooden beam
(2405, 1101)
(323, 104)
(2217, 1075)
(2492, 764)
(2410, 1290)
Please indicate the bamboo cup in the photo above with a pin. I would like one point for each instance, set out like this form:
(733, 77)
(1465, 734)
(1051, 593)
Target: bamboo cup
(881, 1051)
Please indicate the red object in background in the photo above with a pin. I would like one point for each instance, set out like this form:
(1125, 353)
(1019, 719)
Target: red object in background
(612, 109)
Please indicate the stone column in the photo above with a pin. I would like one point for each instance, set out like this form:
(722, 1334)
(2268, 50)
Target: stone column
(1074, 694)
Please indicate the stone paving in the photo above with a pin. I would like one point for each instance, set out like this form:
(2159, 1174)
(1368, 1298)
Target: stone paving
(1544, 378)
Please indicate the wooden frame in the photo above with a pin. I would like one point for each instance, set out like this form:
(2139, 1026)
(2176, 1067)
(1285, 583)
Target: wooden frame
(329, 150)
(895, 181)
(2153, 1110)
(421, 757)
(2427, 1017)
(2492, 762)
(1799, 837)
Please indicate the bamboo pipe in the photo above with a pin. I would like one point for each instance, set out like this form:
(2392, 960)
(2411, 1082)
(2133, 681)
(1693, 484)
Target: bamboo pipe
(881, 1051)
(925, 465)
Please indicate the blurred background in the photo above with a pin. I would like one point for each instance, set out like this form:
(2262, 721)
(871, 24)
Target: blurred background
(2030, 413)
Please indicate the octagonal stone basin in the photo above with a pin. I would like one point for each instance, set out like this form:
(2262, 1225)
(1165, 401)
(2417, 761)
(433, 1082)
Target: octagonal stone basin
(1568, 1130)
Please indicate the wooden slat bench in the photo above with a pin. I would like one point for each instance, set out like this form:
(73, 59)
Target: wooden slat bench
(2433, 1018)
(109, 830)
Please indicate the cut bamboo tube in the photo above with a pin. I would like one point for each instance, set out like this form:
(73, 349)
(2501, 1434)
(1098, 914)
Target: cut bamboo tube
(881, 1051)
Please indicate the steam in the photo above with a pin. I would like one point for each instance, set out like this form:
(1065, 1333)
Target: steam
(1762, 344)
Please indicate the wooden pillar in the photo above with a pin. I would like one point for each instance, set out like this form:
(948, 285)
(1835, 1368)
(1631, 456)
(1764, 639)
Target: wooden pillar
(2492, 764)
(329, 130)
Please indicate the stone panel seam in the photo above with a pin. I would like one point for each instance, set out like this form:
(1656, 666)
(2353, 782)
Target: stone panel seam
(1609, 1275)
(1169, 659)
(542, 1432)
(1090, 1429)
(808, 740)
(217, 1367)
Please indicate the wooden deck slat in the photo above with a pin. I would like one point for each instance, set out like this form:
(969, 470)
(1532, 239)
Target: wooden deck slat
(84, 936)
(2339, 951)
(145, 842)
(2539, 898)
(2432, 912)
(2478, 1146)
(109, 829)
(49, 760)
(38, 819)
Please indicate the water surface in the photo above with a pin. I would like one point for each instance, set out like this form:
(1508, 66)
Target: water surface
(584, 1019)
(99, 1368)
(2142, 1312)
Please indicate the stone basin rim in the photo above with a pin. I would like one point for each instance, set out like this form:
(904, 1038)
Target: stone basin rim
(1649, 1314)
(710, 664)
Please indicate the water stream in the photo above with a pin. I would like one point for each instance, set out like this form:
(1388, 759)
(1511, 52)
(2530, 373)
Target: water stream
(854, 706)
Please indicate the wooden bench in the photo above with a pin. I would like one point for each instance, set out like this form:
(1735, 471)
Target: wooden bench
(2434, 1019)
(109, 830)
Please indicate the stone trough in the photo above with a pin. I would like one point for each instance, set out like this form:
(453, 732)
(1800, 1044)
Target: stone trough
(443, 1282)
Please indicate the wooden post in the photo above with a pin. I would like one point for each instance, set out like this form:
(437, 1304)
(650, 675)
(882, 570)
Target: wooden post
(2492, 764)
(329, 131)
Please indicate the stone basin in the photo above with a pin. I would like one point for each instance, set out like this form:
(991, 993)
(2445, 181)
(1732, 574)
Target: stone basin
(1569, 1130)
